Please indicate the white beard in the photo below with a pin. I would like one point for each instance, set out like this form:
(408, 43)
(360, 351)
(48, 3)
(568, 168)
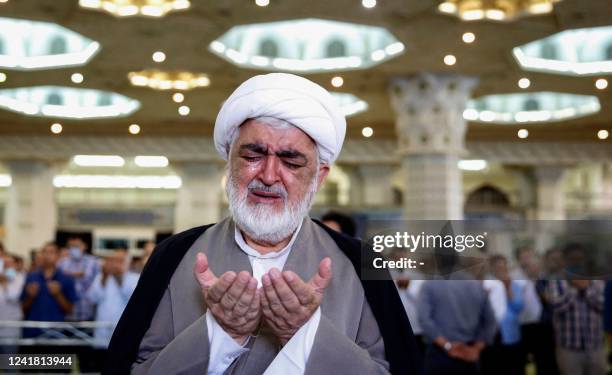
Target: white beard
(260, 221)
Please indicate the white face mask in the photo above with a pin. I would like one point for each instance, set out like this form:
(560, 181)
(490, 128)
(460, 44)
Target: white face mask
(75, 252)
(10, 273)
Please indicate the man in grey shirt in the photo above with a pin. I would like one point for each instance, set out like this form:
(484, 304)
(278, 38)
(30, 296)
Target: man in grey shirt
(458, 322)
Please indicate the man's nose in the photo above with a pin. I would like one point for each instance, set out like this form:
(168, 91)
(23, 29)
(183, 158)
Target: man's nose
(270, 173)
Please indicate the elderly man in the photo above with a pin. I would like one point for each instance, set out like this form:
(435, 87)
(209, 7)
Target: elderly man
(267, 290)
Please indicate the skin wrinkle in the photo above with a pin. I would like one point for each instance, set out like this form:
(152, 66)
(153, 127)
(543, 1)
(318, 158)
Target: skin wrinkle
(269, 157)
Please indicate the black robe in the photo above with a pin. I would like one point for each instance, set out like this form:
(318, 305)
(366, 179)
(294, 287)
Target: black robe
(401, 350)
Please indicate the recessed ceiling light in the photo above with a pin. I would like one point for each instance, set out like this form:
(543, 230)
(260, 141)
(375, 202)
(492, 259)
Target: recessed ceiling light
(184, 110)
(178, 97)
(523, 133)
(601, 83)
(56, 128)
(76, 77)
(450, 60)
(524, 83)
(99, 160)
(134, 129)
(603, 134)
(468, 37)
(3, 1)
(367, 132)
(337, 81)
(368, 3)
(2, 77)
(151, 161)
(159, 56)
(262, 3)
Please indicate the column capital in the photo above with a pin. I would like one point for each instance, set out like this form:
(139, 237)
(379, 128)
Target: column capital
(429, 110)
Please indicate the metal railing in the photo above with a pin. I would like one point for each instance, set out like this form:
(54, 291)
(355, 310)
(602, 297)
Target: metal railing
(55, 333)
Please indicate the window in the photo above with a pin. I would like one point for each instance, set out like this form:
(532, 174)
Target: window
(549, 51)
(335, 48)
(57, 46)
(268, 48)
(54, 99)
(531, 105)
(104, 100)
(608, 54)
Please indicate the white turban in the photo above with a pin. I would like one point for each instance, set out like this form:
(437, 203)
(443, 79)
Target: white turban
(287, 97)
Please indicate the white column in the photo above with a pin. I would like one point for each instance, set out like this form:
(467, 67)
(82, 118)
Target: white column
(431, 132)
(377, 188)
(550, 200)
(199, 197)
(30, 216)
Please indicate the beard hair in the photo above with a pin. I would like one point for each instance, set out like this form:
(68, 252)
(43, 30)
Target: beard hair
(260, 221)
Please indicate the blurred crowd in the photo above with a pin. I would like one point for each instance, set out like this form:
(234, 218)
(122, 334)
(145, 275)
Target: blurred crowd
(512, 316)
(541, 315)
(67, 284)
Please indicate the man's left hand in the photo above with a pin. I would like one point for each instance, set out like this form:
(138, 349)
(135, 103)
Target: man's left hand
(288, 302)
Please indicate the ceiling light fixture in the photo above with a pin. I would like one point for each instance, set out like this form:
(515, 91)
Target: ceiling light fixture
(603, 134)
(76, 78)
(523, 133)
(367, 132)
(524, 83)
(178, 97)
(495, 10)
(601, 84)
(468, 37)
(169, 80)
(337, 81)
(158, 56)
(151, 161)
(134, 129)
(450, 60)
(127, 8)
(262, 3)
(117, 182)
(184, 110)
(368, 4)
(2, 77)
(98, 160)
(56, 128)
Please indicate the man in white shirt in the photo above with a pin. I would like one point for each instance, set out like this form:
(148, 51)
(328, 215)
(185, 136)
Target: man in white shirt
(11, 284)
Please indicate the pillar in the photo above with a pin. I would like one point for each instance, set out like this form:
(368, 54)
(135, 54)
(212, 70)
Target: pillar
(431, 134)
(30, 216)
(550, 199)
(376, 185)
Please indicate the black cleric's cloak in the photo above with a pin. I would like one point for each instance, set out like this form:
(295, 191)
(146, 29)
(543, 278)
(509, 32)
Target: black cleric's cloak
(401, 349)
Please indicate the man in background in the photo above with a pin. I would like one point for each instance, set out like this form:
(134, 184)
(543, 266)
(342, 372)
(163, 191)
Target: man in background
(83, 268)
(11, 284)
(110, 291)
(340, 223)
(49, 294)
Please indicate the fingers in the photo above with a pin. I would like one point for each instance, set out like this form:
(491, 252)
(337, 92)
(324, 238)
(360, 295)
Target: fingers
(272, 298)
(206, 278)
(234, 292)
(302, 290)
(218, 289)
(321, 280)
(284, 292)
(271, 318)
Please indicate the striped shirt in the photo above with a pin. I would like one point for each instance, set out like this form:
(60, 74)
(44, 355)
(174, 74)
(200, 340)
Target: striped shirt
(577, 314)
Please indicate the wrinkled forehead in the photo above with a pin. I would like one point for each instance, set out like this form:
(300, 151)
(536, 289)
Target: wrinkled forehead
(275, 137)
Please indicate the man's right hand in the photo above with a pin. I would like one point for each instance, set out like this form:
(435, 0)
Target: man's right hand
(232, 299)
(32, 289)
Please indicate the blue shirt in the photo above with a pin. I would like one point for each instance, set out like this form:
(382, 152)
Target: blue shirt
(510, 326)
(45, 307)
(457, 309)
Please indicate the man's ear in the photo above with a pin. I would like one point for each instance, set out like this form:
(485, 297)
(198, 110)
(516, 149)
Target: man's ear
(323, 171)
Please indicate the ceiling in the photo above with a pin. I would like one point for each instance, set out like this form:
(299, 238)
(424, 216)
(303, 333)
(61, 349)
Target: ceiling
(128, 43)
